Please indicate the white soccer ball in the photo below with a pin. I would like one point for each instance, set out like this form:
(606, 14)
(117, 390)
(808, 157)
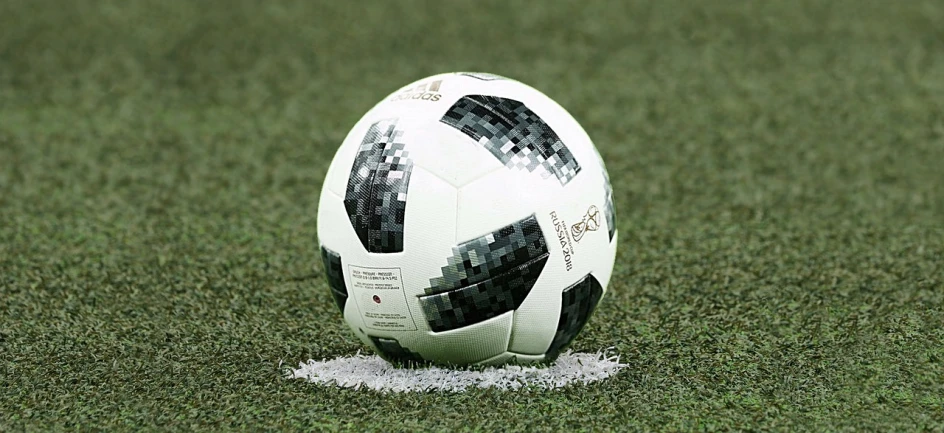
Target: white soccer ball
(467, 218)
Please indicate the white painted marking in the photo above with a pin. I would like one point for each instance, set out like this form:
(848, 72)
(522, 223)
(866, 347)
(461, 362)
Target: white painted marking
(372, 372)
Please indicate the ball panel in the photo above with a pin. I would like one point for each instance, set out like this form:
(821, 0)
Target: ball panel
(609, 210)
(490, 255)
(467, 345)
(482, 301)
(609, 207)
(486, 276)
(570, 132)
(532, 329)
(376, 194)
(577, 304)
(334, 273)
(493, 201)
(449, 154)
(514, 134)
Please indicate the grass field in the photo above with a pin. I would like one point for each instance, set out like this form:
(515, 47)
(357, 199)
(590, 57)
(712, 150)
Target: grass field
(778, 171)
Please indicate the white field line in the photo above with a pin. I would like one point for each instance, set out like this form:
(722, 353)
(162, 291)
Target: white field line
(372, 372)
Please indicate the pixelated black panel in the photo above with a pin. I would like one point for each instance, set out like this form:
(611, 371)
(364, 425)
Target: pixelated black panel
(391, 350)
(514, 134)
(493, 254)
(481, 301)
(609, 207)
(577, 304)
(334, 272)
(377, 189)
(486, 276)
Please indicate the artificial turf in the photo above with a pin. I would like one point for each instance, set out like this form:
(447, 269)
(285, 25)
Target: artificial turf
(778, 170)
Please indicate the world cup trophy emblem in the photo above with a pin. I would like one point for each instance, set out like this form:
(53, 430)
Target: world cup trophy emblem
(589, 223)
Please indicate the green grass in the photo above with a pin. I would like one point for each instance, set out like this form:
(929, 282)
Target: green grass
(777, 169)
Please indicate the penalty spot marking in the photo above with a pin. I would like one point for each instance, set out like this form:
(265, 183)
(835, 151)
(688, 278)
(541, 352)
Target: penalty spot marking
(372, 372)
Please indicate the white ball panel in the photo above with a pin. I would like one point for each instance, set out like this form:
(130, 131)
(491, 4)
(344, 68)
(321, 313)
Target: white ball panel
(450, 154)
(504, 196)
(466, 345)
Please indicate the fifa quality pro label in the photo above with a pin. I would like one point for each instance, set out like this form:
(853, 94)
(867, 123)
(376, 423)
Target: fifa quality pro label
(380, 298)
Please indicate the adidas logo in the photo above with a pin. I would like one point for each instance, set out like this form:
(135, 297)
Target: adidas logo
(423, 92)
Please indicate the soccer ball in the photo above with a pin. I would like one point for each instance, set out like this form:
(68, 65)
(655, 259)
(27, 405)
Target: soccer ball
(467, 219)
